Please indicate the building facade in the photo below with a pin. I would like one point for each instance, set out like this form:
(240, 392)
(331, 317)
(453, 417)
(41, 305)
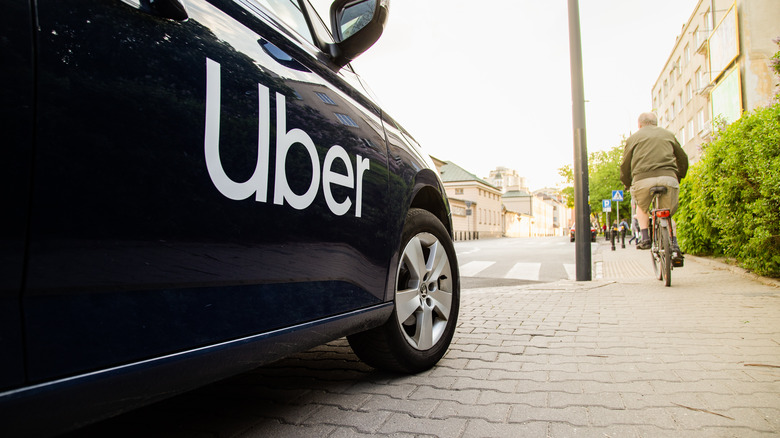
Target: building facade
(541, 211)
(719, 67)
(483, 217)
(506, 179)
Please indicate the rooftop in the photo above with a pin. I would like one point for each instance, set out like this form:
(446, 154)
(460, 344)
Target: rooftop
(451, 172)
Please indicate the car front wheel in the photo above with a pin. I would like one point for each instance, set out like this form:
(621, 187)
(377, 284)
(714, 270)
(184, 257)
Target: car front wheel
(427, 300)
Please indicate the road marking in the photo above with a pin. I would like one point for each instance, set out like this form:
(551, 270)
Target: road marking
(571, 270)
(524, 271)
(471, 269)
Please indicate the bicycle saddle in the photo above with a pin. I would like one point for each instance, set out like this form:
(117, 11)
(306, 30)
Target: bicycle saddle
(658, 189)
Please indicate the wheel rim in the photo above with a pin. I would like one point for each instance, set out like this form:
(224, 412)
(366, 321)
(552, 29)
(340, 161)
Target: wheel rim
(423, 298)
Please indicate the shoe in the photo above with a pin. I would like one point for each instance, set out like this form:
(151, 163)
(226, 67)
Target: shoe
(645, 244)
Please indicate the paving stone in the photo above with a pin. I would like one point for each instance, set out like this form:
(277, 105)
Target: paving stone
(414, 408)
(574, 415)
(363, 422)
(534, 399)
(431, 393)
(493, 412)
(276, 429)
(402, 423)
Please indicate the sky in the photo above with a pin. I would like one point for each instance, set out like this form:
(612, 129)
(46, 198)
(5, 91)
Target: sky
(486, 84)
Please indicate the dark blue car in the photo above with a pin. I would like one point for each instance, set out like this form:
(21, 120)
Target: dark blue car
(194, 188)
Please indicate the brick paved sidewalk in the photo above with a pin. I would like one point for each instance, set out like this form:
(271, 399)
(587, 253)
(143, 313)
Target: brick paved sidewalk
(622, 356)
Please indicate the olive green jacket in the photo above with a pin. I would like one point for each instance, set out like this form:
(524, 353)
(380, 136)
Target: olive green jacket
(652, 152)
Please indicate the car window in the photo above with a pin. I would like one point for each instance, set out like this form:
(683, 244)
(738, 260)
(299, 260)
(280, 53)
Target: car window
(290, 12)
(320, 28)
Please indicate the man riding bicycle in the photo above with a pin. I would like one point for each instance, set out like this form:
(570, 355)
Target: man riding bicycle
(653, 157)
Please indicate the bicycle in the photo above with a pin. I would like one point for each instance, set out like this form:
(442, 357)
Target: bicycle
(662, 238)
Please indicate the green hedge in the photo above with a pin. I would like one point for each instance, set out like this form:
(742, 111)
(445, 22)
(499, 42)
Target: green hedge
(730, 200)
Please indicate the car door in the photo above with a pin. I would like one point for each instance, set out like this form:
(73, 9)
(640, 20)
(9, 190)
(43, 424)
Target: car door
(200, 176)
(16, 120)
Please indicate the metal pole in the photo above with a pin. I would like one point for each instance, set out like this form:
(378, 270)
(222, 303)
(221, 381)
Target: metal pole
(581, 208)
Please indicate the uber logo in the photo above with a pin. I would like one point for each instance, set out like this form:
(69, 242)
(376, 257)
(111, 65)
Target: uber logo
(257, 184)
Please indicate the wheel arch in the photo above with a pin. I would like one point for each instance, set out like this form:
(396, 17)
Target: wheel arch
(429, 194)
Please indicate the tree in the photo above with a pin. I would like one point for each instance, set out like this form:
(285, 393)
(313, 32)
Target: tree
(603, 178)
(567, 192)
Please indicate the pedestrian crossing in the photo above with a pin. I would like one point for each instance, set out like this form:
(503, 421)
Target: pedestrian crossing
(518, 271)
(471, 269)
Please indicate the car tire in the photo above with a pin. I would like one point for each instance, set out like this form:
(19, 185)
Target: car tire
(427, 300)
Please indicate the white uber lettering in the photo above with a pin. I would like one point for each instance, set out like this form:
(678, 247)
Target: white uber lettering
(330, 177)
(362, 165)
(285, 140)
(257, 184)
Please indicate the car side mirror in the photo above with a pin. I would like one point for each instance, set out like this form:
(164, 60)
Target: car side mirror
(357, 25)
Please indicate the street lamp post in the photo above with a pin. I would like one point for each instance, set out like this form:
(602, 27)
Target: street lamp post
(581, 213)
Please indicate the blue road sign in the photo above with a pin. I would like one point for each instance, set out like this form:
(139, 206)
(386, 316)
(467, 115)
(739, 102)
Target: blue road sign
(617, 195)
(606, 205)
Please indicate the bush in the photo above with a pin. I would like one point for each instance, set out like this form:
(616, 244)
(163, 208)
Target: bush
(730, 200)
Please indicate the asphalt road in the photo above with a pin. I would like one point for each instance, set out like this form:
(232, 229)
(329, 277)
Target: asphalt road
(515, 261)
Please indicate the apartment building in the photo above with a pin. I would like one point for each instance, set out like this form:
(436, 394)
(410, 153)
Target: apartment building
(541, 209)
(506, 179)
(719, 67)
(482, 216)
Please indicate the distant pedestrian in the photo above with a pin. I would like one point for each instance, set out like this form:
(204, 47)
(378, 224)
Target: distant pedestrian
(634, 230)
(623, 229)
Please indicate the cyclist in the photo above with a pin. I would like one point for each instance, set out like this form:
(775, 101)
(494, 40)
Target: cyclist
(653, 157)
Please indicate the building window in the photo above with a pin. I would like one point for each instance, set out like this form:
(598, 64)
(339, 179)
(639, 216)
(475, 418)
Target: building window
(681, 135)
(686, 55)
(458, 191)
(346, 120)
(700, 119)
(699, 78)
(689, 130)
(325, 98)
(688, 92)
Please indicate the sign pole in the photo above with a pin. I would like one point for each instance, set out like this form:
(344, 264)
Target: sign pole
(581, 213)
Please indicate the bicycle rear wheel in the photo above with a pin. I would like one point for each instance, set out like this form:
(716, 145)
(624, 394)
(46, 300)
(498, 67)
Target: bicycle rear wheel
(665, 254)
(655, 251)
